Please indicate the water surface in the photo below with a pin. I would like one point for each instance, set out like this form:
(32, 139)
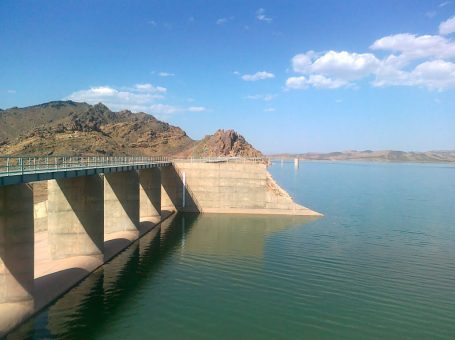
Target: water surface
(380, 264)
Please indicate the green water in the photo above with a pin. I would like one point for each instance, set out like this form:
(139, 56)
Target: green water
(380, 264)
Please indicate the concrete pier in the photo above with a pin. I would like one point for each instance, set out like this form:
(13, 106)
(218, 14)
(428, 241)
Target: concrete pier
(121, 202)
(149, 193)
(75, 217)
(121, 211)
(16, 255)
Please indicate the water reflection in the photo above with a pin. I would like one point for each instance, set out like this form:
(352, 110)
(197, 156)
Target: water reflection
(215, 236)
(91, 306)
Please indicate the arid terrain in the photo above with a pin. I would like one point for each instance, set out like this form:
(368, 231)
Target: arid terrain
(72, 129)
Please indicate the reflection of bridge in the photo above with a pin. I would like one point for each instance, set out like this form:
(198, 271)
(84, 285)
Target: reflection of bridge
(89, 219)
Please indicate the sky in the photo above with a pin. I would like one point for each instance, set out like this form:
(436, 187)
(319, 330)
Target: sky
(291, 76)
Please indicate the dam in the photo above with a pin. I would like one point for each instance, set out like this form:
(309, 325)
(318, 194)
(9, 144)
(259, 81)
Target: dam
(91, 208)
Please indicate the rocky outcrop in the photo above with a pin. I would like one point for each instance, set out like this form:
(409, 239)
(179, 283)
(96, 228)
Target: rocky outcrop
(224, 143)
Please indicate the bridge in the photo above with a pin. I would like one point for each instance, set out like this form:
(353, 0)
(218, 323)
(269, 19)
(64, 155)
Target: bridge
(94, 207)
(16, 170)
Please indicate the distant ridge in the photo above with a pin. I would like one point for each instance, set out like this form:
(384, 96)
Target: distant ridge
(72, 129)
(377, 156)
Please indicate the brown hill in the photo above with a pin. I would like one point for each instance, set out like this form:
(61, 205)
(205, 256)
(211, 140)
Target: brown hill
(70, 128)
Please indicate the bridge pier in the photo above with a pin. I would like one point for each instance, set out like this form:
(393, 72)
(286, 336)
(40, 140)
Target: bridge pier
(75, 217)
(149, 193)
(121, 207)
(16, 255)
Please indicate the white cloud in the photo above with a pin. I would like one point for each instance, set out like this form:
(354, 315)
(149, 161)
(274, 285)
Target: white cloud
(408, 60)
(447, 27)
(343, 65)
(445, 3)
(261, 16)
(196, 109)
(435, 75)
(258, 76)
(162, 109)
(264, 97)
(322, 82)
(152, 22)
(166, 74)
(149, 88)
(315, 80)
(11, 91)
(141, 97)
(222, 21)
(411, 46)
(269, 109)
(297, 83)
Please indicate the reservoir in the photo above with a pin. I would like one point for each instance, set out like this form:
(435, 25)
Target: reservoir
(379, 264)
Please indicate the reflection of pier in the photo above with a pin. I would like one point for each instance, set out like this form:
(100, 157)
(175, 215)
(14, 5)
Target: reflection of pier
(109, 289)
(219, 236)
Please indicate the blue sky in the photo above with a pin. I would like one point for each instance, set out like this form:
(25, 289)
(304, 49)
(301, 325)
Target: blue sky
(291, 76)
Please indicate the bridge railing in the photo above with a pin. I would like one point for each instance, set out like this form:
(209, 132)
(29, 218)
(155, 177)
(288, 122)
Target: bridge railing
(223, 160)
(22, 165)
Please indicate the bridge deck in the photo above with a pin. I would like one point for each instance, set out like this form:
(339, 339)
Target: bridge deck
(17, 170)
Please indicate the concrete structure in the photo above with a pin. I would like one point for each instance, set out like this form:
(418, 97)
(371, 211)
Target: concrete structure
(149, 193)
(93, 208)
(226, 187)
(16, 254)
(87, 212)
(121, 202)
(75, 217)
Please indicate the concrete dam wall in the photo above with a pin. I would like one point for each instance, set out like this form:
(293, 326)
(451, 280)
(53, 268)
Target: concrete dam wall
(225, 187)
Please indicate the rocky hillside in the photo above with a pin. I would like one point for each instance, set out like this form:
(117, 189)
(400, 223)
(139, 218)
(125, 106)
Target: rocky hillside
(70, 128)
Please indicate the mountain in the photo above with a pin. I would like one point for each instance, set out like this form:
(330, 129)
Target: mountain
(377, 156)
(70, 128)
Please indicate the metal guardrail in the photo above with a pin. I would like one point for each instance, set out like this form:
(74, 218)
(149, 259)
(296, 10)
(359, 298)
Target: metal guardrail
(10, 166)
(223, 160)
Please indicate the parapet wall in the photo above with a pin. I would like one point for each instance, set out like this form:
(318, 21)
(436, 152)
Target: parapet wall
(225, 187)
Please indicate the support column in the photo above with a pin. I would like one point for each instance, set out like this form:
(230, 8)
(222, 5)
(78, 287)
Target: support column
(16, 255)
(121, 202)
(75, 217)
(150, 193)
